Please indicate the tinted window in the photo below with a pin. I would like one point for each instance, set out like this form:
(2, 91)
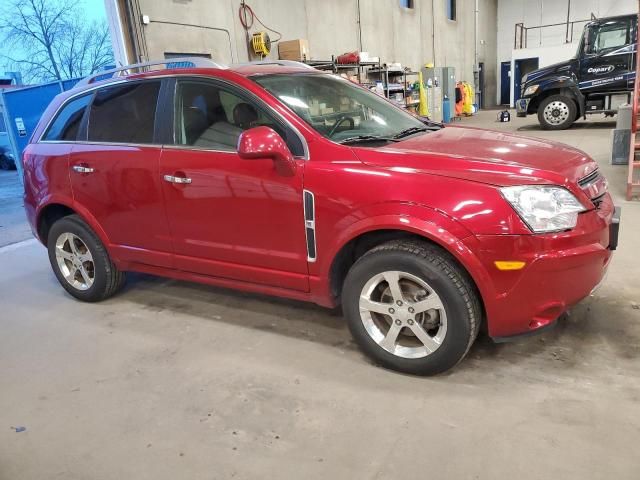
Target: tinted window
(124, 113)
(67, 123)
(211, 117)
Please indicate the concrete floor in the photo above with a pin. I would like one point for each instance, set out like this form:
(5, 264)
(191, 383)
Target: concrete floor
(174, 380)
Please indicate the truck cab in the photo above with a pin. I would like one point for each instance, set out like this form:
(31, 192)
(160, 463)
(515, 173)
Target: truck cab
(597, 80)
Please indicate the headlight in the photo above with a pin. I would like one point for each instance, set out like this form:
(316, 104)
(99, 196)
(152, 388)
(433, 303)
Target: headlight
(544, 208)
(530, 90)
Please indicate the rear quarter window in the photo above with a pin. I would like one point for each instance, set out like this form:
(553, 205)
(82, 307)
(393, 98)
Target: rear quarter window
(66, 125)
(124, 113)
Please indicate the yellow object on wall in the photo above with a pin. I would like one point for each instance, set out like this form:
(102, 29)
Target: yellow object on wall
(261, 44)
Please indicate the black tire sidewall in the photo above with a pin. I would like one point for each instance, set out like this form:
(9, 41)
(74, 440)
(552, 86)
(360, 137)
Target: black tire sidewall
(459, 328)
(101, 261)
(573, 112)
(5, 163)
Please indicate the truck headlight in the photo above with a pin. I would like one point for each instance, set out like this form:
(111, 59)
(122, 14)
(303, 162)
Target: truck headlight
(531, 89)
(544, 208)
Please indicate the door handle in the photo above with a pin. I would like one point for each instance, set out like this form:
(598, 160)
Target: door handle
(174, 179)
(82, 169)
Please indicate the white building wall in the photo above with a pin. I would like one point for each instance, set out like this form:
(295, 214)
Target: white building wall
(548, 44)
(389, 31)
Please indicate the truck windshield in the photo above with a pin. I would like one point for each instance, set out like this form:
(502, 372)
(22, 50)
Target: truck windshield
(341, 110)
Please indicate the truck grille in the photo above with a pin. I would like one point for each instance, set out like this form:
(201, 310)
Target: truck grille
(595, 186)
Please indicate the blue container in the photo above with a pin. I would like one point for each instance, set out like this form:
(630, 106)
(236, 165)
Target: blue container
(446, 110)
(23, 108)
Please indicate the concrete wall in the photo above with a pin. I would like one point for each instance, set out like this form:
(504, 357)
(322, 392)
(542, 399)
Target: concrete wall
(389, 31)
(549, 44)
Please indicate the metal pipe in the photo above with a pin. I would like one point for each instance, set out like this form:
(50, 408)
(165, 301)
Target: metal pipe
(568, 17)
(476, 57)
(218, 29)
(359, 22)
(433, 30)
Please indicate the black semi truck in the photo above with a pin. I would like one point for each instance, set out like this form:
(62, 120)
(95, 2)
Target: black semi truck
(597, 80)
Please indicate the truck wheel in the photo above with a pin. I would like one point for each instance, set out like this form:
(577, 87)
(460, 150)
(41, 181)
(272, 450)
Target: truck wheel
(411, 308)
(557, 112)
(81, 262)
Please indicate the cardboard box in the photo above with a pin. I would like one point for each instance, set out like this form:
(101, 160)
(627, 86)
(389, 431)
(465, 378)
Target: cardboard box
(293, 50)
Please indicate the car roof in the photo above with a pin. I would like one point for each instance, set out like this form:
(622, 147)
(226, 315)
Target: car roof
(250, 69)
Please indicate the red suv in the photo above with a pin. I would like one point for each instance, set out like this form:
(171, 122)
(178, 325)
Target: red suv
(279, 179)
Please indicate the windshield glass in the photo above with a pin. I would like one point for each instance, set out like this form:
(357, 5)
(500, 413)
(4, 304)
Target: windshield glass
(339, 109)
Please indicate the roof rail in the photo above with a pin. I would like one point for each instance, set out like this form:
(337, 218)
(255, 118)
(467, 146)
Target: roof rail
(181, 62)
(282, 63)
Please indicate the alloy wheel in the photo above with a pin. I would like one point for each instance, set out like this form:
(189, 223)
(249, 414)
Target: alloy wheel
(403, 314)
(75, 261)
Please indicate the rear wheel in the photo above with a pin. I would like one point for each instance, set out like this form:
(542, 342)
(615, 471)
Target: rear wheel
(411, 308)
(557, 112)
(80, 261)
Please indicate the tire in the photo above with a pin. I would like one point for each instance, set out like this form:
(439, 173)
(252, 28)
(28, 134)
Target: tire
(6, 163)
(557, 112)
(422, 270)
(71, 244)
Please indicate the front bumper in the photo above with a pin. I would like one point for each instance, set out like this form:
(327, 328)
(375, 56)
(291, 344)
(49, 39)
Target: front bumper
(522, 107)
(561, 269)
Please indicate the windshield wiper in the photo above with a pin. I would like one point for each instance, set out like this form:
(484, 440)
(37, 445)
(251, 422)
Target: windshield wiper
(410, 131)
(366, 139)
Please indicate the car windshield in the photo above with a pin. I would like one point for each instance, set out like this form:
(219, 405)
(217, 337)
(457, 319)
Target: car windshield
(341, 110)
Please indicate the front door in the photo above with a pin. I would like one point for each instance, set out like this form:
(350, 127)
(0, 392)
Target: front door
(231, 218)
(114, 172)
(607, 61)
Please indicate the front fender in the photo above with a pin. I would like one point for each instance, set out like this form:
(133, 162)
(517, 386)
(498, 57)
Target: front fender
(431, 224)
(564, 84)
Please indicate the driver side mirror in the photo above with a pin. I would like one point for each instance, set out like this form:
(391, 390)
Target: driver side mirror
(264, 142)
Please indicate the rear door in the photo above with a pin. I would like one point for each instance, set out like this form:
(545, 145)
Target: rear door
(114, 171)
(607, 61)
(236, 219)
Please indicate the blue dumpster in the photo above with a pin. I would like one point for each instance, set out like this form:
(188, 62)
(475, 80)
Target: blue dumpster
(23, 108)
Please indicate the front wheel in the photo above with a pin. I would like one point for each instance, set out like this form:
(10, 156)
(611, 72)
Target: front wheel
(81, 262)
(557, 112)
(411, 308)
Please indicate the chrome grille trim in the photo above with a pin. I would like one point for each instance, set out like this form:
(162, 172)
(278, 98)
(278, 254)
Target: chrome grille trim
(595, 186)
(589, 179)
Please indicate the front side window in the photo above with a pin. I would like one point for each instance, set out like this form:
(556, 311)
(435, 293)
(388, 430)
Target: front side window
(124, 113)
(606, 37)
(66, 125)
(337, 108)
(212, 117)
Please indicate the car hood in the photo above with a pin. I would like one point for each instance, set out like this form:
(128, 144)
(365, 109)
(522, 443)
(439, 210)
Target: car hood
(564, 68)
(484, 156)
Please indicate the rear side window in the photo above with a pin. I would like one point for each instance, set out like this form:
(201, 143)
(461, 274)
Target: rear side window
(67, 123)
(124, 113)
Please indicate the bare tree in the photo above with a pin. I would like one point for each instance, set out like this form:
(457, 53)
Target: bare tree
(52, 39)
